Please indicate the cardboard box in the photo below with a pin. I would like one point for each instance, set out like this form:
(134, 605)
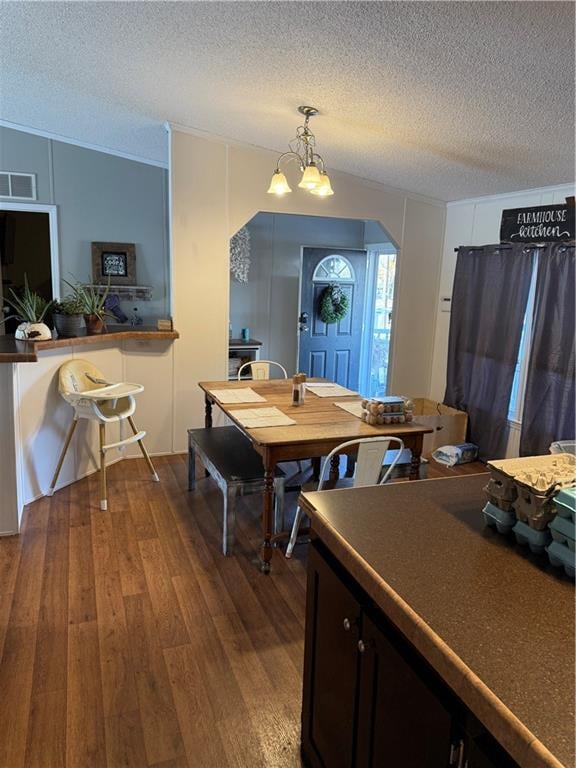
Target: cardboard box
(449, 424)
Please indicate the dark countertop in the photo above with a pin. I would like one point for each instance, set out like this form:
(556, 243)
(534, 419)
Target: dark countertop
(15, 351)
(496, 622)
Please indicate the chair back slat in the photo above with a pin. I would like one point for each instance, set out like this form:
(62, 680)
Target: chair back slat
(369, 462)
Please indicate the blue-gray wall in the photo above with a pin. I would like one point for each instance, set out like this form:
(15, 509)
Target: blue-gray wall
(268, 302)
(100, 197)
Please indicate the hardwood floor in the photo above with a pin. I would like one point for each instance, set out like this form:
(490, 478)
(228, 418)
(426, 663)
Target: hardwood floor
(127, 639)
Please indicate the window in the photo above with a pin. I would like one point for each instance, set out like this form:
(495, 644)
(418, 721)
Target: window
(333, 269)
(516, 405)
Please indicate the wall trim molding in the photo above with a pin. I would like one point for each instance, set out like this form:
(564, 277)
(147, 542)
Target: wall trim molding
(84, 144)
(569, 188)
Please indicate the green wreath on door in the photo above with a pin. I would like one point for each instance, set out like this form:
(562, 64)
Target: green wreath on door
(334, 304)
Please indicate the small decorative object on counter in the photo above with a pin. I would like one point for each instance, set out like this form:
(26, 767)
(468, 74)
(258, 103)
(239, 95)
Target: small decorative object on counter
(30, 308)
(245, 334)
(165, 324)
(112, 305)
(135, 318)
(387, 410)
(298, 388)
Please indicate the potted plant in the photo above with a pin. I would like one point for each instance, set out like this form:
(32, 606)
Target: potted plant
(92, 300)
(30, 308)
(68, 316)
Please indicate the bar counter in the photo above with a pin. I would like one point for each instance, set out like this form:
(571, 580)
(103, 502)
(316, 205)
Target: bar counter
(16, 351)
(495, 622)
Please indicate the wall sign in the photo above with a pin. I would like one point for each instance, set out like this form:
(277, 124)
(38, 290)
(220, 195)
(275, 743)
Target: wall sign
(543, 223)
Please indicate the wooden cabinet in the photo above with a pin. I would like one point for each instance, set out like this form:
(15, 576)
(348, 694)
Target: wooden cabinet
(370, 700)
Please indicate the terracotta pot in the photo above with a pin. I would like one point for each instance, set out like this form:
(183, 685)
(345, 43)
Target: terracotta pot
(94, 324)
(33, 332)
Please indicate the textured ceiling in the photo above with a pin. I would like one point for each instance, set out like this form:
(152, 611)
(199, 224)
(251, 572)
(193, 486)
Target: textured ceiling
(448, 99)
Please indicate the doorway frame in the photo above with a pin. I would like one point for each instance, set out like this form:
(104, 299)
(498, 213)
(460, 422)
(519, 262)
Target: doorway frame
(52, 211)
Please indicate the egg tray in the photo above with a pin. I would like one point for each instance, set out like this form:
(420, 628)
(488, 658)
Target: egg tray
(543, 475)
(565, 501)
(498, 518)
(561, 557)
(536, 540)
(563, 531)
(503, 504)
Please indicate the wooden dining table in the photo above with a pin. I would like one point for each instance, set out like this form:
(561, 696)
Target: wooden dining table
(320, 426)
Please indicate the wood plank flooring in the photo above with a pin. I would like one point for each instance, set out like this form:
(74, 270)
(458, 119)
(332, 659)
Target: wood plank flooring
(127, 639)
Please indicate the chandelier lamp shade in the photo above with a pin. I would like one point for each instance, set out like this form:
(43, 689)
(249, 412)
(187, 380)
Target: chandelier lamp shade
(302, 149)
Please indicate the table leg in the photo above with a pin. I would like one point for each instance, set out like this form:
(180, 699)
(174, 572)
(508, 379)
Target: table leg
(334, 467)
(207, 412)
(267, 513)
(416, 448)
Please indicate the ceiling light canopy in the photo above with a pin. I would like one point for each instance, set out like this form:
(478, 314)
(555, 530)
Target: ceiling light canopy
(302, 149)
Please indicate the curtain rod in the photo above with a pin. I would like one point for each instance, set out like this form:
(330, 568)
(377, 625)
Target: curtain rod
(506, 246)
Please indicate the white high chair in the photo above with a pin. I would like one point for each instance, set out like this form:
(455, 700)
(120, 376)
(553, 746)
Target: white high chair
(82, 385)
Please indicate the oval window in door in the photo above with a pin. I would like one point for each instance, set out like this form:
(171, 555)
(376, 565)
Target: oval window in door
(334, 269)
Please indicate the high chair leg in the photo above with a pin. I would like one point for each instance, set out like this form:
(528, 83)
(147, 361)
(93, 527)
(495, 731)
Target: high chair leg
(103, 494)
(144, 451)
(71, 429)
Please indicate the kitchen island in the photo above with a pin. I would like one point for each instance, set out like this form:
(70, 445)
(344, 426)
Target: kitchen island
(432, 640)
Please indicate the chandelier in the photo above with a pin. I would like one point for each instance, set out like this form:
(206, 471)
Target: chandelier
(303, 151)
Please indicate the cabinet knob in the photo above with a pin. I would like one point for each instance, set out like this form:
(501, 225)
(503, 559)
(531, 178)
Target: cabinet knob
(361, 646)
(347, 625)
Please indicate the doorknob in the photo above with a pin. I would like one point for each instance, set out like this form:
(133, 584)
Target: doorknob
(303, 322)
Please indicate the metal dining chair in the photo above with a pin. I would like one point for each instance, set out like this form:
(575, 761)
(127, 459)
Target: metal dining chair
(260, 369)
(369, 464)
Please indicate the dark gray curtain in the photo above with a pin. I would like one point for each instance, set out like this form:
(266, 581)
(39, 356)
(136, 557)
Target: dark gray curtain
(489, 298)
(550, 392)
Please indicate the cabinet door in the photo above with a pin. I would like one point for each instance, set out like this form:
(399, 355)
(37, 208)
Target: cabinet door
(484, 752)
(403, 718)
(330, 668)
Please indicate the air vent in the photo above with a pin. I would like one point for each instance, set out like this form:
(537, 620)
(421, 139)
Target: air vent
(19, 186)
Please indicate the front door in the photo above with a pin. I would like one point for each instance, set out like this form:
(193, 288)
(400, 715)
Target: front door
(332, 350)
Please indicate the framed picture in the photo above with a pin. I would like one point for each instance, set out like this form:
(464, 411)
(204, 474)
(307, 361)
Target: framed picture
(115, 262)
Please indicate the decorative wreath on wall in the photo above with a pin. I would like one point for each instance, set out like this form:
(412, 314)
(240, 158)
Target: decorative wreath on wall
(333, 304)
(240, 255)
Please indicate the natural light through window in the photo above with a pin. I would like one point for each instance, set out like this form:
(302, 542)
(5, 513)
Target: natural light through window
(519, 384)
(333, 269)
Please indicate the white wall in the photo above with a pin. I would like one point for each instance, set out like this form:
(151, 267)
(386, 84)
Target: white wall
(274, 277)
(34, 418)
(476, 222)
(100, 197)
(215, 189)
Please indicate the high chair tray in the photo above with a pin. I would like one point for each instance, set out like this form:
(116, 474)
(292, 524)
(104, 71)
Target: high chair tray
(112, 391)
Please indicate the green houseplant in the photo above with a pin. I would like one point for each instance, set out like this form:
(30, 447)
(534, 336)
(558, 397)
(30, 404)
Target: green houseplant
(68, 316)
(30, 308)
(92, 299)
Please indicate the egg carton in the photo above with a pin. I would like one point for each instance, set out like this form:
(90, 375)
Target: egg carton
(498, 518)
(501, 486)
(565, 503)
(536, 540)
(503, 504)
(562, 557)
(564, 532)
(542, 474)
